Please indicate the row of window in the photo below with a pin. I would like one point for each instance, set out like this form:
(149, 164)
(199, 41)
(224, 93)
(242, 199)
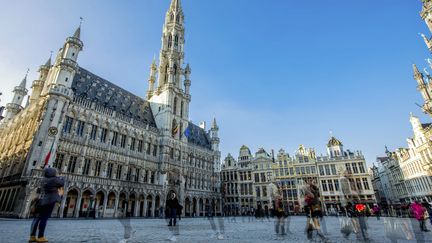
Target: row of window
(355, 168)
(95, 168)
(117, 139)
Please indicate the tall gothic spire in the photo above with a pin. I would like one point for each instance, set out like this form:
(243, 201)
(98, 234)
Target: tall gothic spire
(175, 5)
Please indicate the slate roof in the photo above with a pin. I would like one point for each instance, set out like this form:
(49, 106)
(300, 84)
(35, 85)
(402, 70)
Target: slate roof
(198, 136)
(96, 89)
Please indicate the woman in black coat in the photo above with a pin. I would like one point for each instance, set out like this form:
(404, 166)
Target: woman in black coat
(51, 193)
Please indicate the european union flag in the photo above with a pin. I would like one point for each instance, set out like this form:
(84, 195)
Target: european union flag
(187, 132)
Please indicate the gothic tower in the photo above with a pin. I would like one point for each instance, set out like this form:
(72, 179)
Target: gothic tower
(58, 93)
(38, 84)
(14, 107)
(170, 100)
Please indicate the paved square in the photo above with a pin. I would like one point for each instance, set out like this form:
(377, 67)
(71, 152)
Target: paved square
(240, 229)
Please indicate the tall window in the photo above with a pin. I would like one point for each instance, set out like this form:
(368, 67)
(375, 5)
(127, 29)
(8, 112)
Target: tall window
(181, 108)
(154, 150)
(110, 170)
(68, 125)
(176, 41)
(348, 167)
(366, 184)
(358, 184)
(264, 190)
(330, 185)
(333, 169)
(129, 174)
(256, 176)
(140, 146)
(119, 172)
(98, 168)
(175, 73)
(175, 106)
(169, 41)
(152, 178)
(114, 139)
(258, 191)
(327, 169)
(137, 173)
(132, 145)
(166, 73)
(336, 184)
(354, 167)
(80, 128)
(103, 135)
(58, 163)
(86, 168)
(93, 132)
(123, 141)
(324, 185)
(362, 168)
(72, 164)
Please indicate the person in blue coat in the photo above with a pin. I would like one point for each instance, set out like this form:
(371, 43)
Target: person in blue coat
(51, 193)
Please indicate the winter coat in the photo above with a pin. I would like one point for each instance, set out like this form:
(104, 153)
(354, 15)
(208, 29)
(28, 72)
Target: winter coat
(50, 185)
(418, 211)
(173, 203)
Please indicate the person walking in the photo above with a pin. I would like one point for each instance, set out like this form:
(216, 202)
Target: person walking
(313, 210)
(418, 211)
(51, 193)
(376, 211)
(172, 206)
(428, 208)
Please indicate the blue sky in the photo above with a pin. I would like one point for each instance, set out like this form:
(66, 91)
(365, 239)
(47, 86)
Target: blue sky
(275, 74)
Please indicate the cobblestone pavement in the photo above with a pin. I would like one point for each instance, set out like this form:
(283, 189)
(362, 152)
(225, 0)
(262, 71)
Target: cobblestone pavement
(240, 229)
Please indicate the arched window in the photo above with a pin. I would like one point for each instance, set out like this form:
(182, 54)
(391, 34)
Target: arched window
(169, 41)
(175, 73)
(175, 105)
(172, 17)
(176, 41)
(166, 73)
(178, 18)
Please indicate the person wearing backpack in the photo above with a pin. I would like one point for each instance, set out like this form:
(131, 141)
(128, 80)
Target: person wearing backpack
(51, 193)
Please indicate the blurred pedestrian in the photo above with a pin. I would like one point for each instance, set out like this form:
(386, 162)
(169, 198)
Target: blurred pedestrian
(418, 211)
(312, 207)
(172, 206)
(51, 193)
(376, 211)
(428, 208)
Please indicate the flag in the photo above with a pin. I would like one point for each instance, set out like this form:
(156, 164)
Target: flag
(48, 156)
(175, 129)
(187, 132)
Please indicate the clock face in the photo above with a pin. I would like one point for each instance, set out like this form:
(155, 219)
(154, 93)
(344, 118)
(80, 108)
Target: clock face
(52, 131)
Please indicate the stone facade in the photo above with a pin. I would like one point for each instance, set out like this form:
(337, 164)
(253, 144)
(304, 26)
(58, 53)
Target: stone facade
(284, 177)
(120, 154)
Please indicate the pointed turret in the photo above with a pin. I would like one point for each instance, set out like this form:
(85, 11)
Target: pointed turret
(38, 84)
(65, 65)
(152, 78)
(14, 107)
(427, 42)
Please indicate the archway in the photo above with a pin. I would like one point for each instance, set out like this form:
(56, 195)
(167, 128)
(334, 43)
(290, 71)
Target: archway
(201, 207)
(157, 209)
(100, 198)
(122, 206)
(141, 206)
(131, 209)
(87, 204)
(187, 207)
(149, 205)
(71, 201)
(194, 207)
(110, 209)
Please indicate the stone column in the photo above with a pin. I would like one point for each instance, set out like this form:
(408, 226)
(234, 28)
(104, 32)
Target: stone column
(153, 207)
(77, 206)
(148, 176)
(105, 206)
(137, 206)
(116, 204)
(145, 206)
(63, 204)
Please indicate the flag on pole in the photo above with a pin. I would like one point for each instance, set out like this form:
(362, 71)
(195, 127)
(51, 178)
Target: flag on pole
(187, 132)
(48, 156)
